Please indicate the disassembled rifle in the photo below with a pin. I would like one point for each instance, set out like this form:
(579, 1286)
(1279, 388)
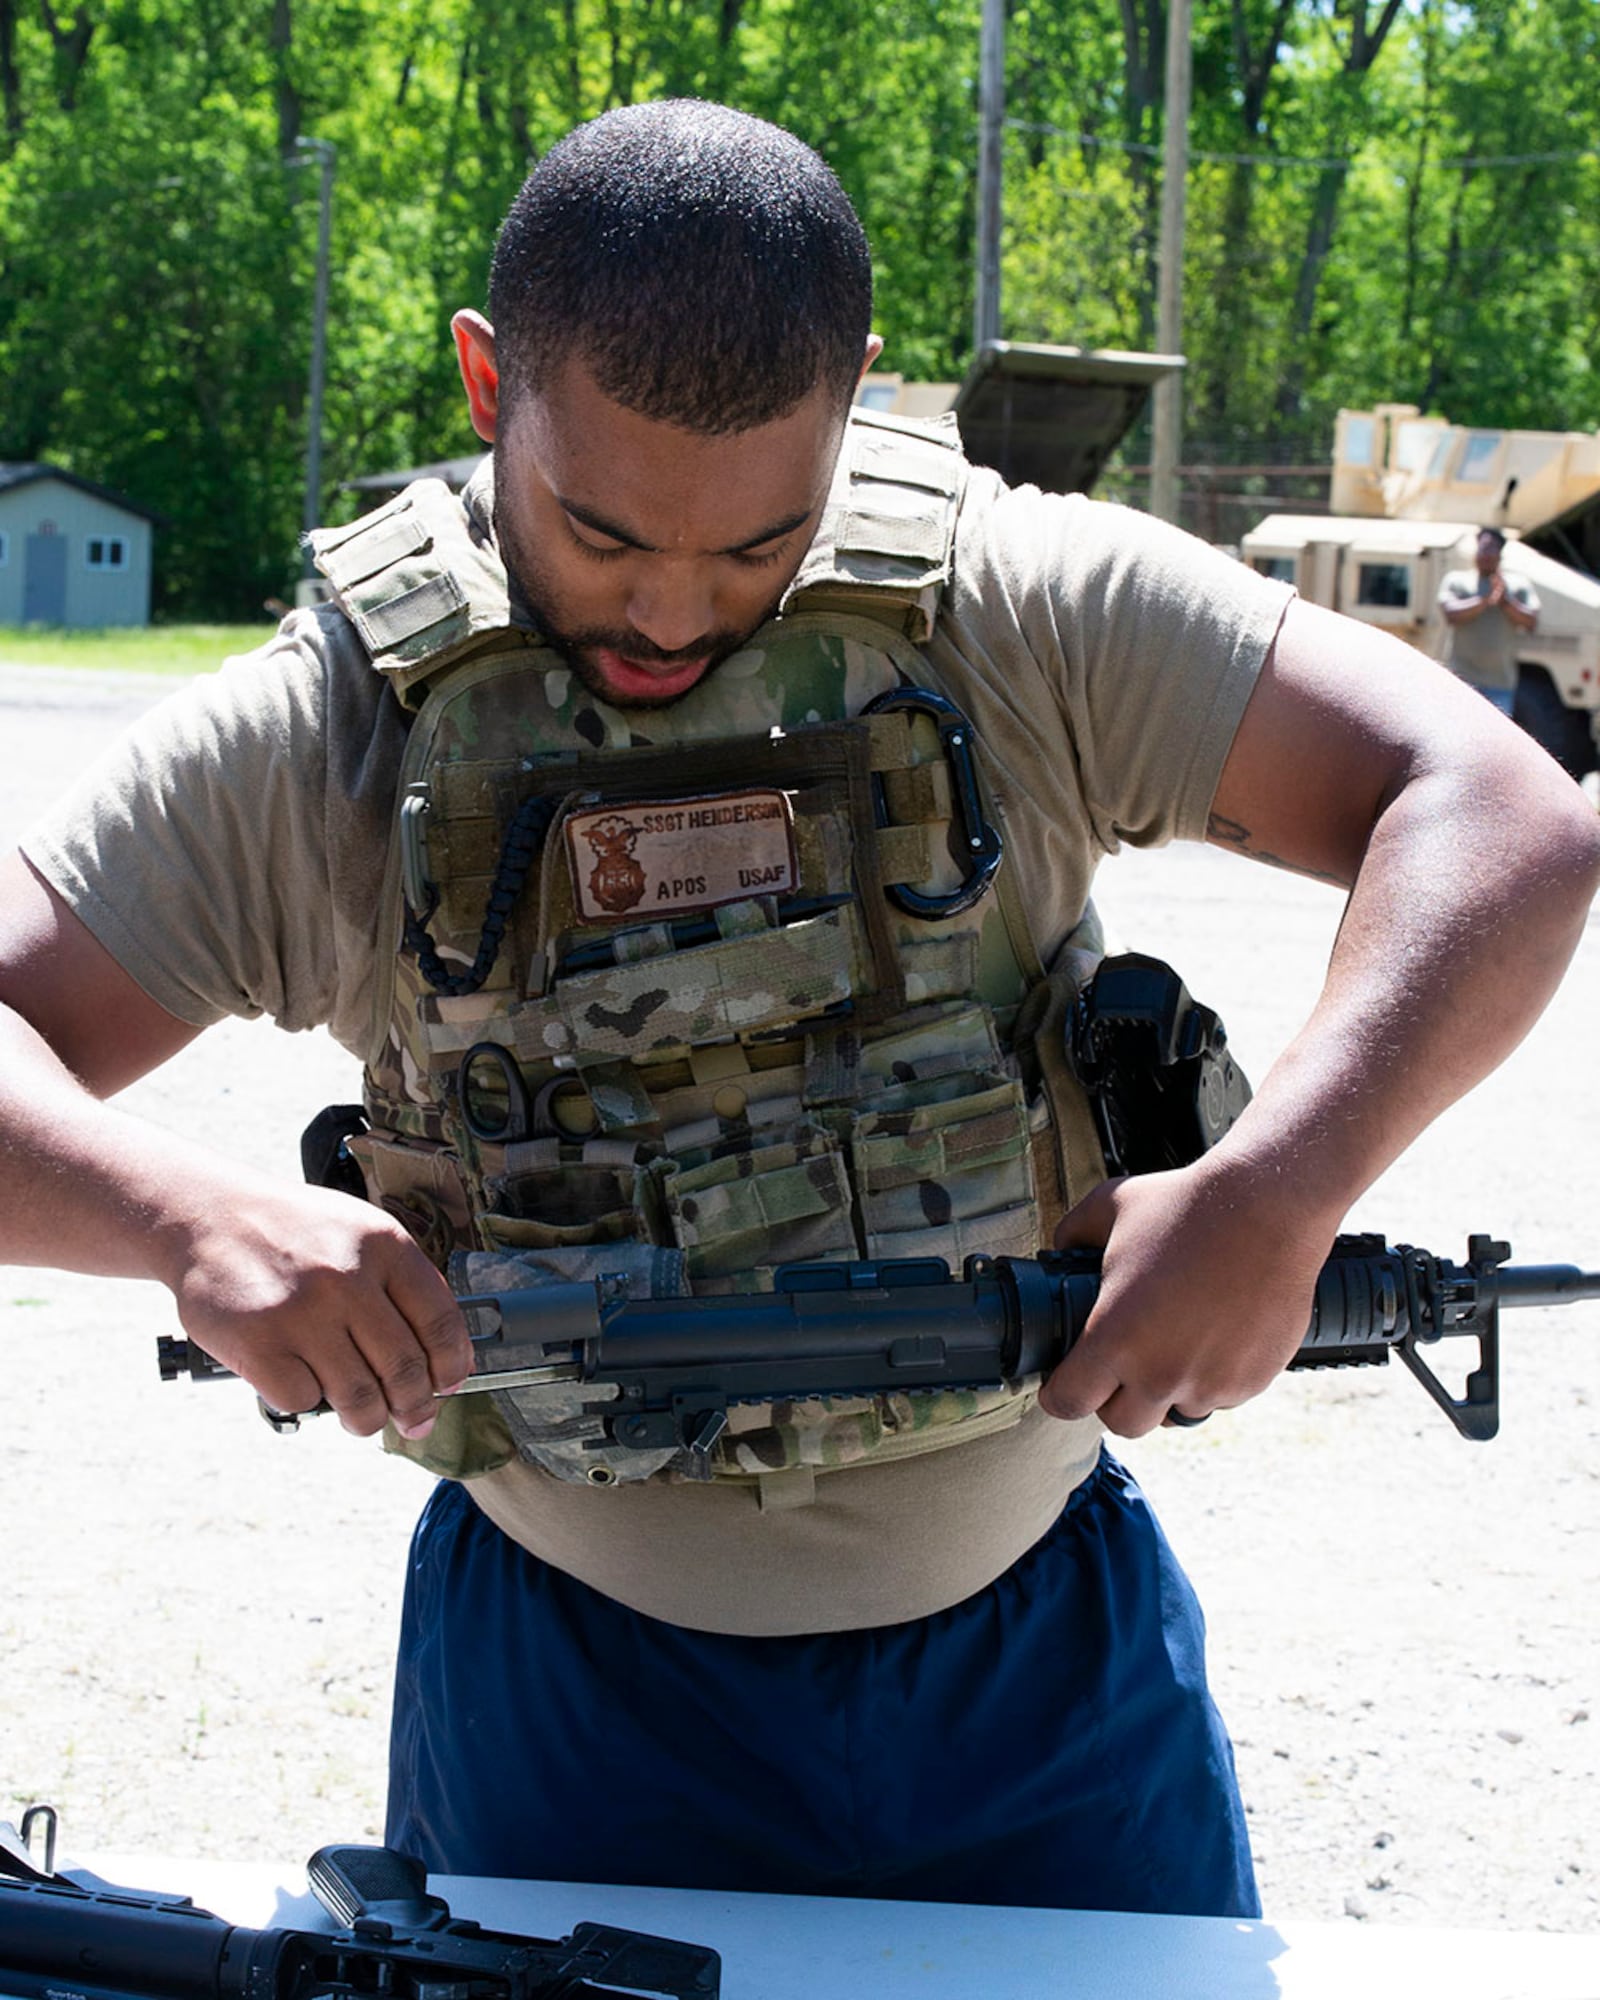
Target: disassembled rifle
(666, 1370)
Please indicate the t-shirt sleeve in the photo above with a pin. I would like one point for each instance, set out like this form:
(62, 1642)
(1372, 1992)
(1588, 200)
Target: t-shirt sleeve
(1139, 648)
(197, 849)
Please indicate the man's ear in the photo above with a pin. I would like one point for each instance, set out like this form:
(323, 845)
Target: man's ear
(474, 338)
(874, 349)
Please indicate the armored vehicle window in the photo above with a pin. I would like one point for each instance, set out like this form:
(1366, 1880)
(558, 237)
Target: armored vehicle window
(1279, 568)
(1384, 584)
(1411, 446)
(1441, 454)
(1478, 456)
(1359, 433)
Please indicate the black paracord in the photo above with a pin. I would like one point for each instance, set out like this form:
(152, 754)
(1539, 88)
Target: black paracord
(524, 837)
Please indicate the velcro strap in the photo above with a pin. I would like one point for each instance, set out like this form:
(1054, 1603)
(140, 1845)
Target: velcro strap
(889, 740)
(883, 529)
(372, 545)
(472, 1013)
(941, 968)
(920, 794)
(618, 1094)
(907, 459)
(400, 625)
(768, 1199)
(927, 1145)
(905, 854)
(718, 1063)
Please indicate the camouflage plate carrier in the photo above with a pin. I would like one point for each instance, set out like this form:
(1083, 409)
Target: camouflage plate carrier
(689, 993)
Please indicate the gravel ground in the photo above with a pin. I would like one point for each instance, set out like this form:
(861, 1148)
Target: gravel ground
(198, 1620)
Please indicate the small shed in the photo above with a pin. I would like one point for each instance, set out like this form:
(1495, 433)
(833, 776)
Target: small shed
(71, 552)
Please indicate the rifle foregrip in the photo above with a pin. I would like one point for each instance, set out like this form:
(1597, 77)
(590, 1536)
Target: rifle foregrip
(1358, 1310)
(56, 1939)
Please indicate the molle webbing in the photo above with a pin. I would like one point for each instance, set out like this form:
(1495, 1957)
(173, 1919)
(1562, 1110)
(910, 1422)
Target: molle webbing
(420, 587)
(886, 549)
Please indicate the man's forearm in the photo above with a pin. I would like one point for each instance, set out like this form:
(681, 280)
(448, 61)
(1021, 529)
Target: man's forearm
(307, 1293)
(1467, 908)
(84, 1186)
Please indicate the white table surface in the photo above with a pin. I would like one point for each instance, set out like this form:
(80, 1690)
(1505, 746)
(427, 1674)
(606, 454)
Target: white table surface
(813, 1948)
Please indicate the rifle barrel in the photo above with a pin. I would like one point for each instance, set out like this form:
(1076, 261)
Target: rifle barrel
(1545, 1284)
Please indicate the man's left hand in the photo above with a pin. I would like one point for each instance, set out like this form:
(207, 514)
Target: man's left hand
(1205, 1294)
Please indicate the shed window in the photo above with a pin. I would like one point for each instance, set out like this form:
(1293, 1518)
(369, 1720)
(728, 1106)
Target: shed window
(1386, 584)
(107, 552)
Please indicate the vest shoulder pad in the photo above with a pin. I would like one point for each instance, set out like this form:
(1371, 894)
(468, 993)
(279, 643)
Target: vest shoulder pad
(416, 582)
(885, 549)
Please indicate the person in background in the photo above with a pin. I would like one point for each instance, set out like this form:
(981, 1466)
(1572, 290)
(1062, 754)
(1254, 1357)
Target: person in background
(1486, 607)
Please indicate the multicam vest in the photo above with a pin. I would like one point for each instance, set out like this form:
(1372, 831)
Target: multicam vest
(690, 993)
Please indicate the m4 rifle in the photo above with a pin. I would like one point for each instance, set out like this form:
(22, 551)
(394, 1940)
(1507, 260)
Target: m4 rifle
(665, 1371)
(62, 1941)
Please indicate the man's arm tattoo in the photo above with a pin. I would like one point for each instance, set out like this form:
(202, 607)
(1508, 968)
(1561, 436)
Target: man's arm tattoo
(1229, 833)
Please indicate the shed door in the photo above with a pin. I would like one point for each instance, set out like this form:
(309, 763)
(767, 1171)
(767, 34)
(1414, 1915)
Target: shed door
(44, 580)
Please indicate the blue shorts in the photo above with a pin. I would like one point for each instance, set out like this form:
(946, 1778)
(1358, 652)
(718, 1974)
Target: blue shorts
(1048, 1741)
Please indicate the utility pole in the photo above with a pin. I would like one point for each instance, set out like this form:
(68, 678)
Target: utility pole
(1167, 415)
(991, 137)
(323, 151)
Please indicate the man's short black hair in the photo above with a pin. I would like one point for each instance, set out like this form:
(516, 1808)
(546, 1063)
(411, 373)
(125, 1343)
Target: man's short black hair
(1497, 533)
(705, 265)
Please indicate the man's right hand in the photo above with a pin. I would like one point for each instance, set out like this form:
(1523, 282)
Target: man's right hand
(315, 1296)
(308, 1294)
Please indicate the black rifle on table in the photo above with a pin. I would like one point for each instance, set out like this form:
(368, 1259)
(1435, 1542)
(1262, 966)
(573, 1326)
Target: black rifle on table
(666, 1370)
(60, 1941)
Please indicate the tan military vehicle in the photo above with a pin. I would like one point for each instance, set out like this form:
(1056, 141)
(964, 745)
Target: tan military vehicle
(1408, 496)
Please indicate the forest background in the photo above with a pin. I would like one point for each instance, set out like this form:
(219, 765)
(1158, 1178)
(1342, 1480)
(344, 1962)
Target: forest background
(1388, 200)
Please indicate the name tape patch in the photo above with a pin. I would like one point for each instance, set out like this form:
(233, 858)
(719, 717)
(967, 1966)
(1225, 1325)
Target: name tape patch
(652, 858)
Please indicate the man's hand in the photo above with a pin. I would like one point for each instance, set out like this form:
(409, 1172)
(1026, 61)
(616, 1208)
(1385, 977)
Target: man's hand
(1205, 1294)
(1470, 860)
(313, 1296)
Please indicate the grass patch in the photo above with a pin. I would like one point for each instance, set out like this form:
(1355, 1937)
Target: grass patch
(130, 649)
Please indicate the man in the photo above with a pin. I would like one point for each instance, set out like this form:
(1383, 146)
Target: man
(476, 817)
(1485, 608)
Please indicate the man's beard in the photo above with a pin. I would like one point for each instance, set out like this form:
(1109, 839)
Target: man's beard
(578, 646)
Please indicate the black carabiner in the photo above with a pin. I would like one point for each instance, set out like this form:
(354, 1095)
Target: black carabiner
(980, 842)
(518, 1120)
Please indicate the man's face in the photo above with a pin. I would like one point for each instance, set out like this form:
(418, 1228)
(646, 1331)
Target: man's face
(1488, 555)
(649, 553)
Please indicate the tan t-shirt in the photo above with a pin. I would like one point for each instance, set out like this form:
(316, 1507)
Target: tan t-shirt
(228, 853)
(1483, 650)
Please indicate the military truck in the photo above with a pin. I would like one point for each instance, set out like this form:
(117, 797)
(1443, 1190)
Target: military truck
(1408, 496)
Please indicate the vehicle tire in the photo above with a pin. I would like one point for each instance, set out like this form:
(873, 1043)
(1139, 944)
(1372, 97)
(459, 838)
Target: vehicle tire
(1563, 731)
